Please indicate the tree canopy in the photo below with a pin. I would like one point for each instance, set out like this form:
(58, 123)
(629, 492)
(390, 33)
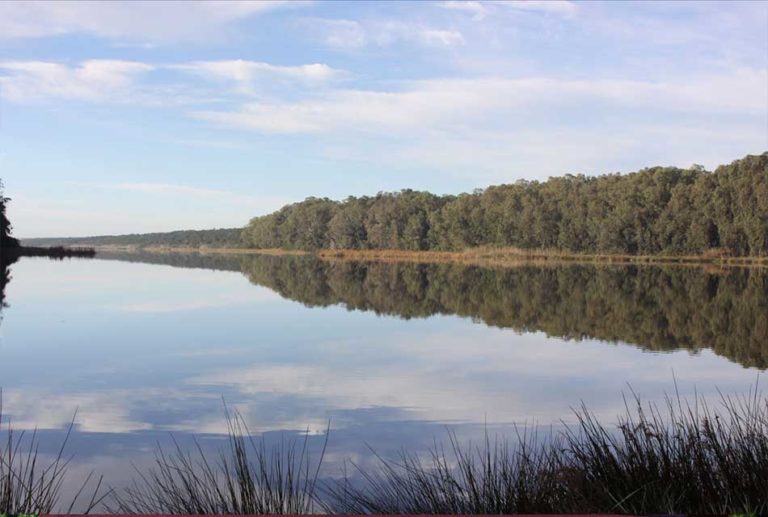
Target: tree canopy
(658, 210)
(6, 240)
(216, 238)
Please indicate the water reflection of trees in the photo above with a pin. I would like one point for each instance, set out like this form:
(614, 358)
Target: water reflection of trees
(5, 276)
(654, 308)
(11, 255)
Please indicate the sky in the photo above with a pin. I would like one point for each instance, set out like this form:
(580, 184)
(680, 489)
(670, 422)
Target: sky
(153, 116)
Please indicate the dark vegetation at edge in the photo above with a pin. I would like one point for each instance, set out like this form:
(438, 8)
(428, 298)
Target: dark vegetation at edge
(681, 458)
(11, 248)
(655, 211)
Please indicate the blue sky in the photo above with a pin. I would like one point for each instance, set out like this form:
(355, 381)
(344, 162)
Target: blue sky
(133, 117)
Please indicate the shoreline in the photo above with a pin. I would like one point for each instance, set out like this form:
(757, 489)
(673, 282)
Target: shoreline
(200, 250)
(55, 252)
(514, 256)
(474, 256)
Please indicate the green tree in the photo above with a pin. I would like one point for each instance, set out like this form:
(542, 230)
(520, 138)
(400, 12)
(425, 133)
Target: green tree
(6, 240)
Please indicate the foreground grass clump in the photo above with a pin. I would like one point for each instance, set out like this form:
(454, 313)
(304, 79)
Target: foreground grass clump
(248, 478)
(684, 458)
(491, 479)
(30, 486)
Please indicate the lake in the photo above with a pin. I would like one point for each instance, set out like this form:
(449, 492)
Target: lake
(390, 355)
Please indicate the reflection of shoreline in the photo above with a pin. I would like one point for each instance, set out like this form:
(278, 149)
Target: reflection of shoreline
(11, 255)
(653, 308)
(280, 362)
(486, 257)
(520, 257)
(53, 252)
(6, 259)
(659, 308)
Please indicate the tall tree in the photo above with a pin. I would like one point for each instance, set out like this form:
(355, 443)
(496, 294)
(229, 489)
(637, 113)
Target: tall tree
(6, 240)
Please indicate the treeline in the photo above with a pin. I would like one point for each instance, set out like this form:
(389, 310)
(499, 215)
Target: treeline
(218, 238)
(213, 262)
(660, 210)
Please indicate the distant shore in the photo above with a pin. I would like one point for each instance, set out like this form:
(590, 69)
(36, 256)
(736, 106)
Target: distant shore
(472, 256)
(202, 249)
(51, 252)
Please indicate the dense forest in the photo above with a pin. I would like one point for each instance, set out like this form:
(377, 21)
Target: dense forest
(653, 308)
(218, 238)
(659, 210)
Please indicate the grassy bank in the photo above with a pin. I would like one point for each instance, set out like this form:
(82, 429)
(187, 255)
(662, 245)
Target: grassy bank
(506, 256)
(682, 458)
(247, 478)
(472, 256)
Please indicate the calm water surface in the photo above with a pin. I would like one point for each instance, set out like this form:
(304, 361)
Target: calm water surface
(143, 345)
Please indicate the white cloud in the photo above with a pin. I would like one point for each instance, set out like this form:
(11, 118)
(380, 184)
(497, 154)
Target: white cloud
(93, 80)
(480, 10)
(119, 81)
(351, 34)
(559, 7)
(155, 21)
(445, 381)
(240, 70)
(373, 111)
(500, 130)
(477, 9)
(500, 124)
(441, 38)
(340, 33)
(251, 76)
(445, 105)
(96, 412)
